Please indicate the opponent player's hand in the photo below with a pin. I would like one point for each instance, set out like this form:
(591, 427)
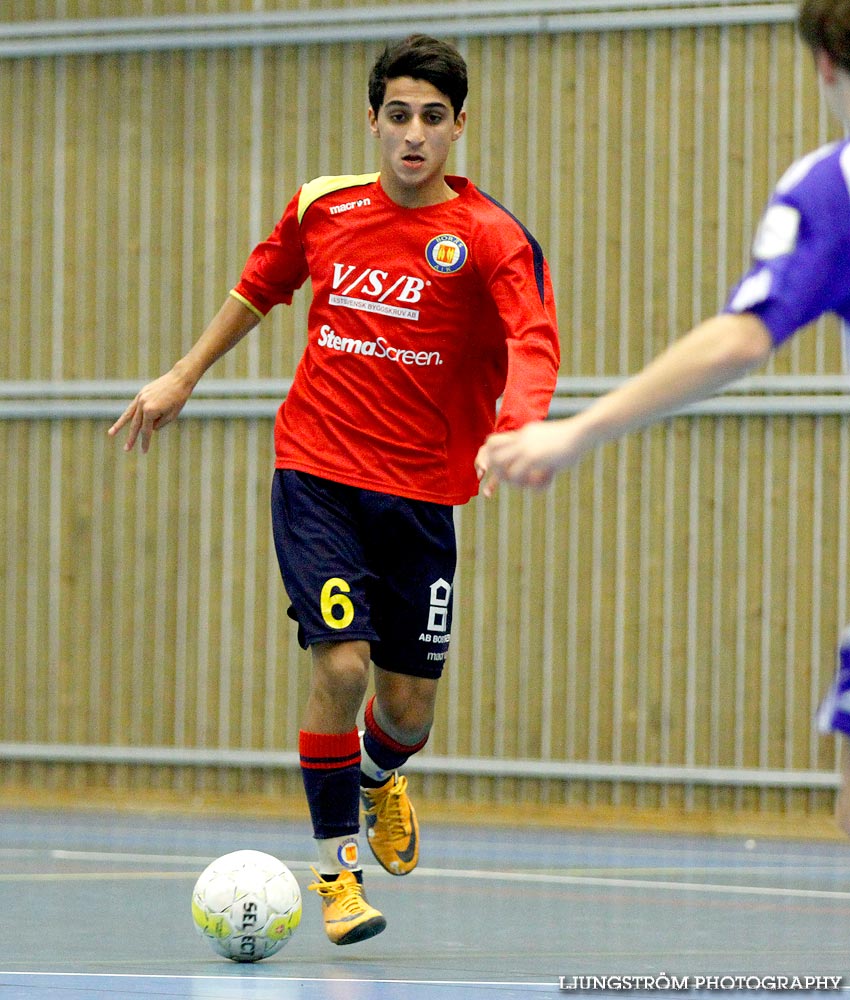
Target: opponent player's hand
(528, 457)
(156, 405)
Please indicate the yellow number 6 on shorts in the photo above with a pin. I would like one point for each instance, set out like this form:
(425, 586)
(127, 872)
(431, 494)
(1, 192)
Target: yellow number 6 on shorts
(331, 600)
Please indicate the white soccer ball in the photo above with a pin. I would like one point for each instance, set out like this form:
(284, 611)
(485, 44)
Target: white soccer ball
(247, 905)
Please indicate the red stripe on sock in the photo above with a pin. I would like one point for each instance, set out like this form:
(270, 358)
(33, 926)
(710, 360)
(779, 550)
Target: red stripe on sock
(378, 734)
(330, 751)
(330, 763)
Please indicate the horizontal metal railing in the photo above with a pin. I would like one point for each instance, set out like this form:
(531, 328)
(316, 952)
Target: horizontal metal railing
(425, 764)
(29, 39)
(259, 398)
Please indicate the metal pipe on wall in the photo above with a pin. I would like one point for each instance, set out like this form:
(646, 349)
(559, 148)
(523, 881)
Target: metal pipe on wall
(254, 29)
(452, 766)
(253, 399)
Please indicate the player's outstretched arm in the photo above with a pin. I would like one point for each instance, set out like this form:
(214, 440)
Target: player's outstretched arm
(160, 401)
(716, 352)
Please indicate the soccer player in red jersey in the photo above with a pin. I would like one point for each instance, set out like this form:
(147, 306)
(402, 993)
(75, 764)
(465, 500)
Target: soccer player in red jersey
(429, 302)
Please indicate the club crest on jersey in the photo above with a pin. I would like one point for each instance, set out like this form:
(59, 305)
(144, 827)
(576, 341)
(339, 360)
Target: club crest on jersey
(446, 253)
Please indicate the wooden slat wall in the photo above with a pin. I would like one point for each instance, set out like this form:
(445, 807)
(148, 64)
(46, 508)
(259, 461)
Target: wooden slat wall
(674, 601)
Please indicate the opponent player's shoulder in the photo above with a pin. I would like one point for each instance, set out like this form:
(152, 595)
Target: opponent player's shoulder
(340, 193)
(824, 166)
(815, 188)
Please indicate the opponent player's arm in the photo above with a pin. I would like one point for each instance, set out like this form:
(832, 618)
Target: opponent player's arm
(713, 354)
(160, 401)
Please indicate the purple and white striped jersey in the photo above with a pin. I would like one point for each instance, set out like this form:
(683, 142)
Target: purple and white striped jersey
(801, 252)
(801, 269)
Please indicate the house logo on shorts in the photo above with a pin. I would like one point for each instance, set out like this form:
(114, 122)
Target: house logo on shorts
(438, 612)
(438, 620)
(446, 253)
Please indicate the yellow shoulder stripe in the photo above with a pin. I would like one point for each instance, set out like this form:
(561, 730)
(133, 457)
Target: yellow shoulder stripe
(327, 185)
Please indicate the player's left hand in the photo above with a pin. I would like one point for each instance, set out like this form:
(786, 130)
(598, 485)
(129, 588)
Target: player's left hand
(489, 484)
(527, 457)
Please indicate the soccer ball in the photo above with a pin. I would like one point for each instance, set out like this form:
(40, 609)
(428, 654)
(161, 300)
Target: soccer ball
(247, 905)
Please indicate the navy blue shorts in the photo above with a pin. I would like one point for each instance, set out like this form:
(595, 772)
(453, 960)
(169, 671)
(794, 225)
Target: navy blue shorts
(358, 564)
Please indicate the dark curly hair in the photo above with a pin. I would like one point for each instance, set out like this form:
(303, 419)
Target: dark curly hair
(824, 26)
(422, 58)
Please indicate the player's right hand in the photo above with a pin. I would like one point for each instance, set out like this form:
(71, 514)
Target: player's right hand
(156, 405)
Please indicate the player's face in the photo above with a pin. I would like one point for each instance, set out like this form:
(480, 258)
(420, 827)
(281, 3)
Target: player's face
(835, 84)
(415, 127)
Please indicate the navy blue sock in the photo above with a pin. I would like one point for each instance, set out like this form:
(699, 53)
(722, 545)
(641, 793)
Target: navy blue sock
(330, 768)
(383, 750)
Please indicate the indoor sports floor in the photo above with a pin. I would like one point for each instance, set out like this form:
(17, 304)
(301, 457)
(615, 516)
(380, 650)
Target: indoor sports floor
(96, 907)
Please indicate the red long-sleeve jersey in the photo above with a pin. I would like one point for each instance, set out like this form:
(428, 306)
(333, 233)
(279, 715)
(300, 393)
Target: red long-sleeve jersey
(420, 320)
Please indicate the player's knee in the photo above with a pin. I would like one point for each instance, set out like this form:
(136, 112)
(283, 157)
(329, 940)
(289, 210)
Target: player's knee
(408, 722)
(341, 670)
